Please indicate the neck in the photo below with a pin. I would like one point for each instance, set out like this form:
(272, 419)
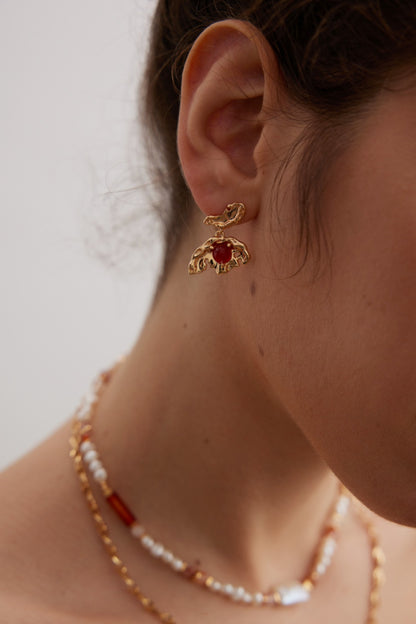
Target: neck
(198, 445)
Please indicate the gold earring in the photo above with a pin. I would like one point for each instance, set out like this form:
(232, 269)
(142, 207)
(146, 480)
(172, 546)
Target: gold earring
(219, 252)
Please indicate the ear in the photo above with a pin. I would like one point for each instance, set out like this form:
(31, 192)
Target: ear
(229, 84)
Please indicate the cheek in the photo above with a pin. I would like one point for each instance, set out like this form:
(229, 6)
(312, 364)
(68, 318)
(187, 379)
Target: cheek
(344, 352)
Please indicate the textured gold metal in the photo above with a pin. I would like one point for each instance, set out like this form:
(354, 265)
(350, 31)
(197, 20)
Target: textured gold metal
(106, 489)
(378, 558)
(199, 577)
(308, 585)
(203, 256)
(277, 599)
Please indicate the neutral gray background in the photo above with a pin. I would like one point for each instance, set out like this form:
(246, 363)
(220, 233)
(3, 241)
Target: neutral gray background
(69, 72)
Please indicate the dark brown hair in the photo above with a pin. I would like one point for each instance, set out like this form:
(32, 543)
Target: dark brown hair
(334, 55)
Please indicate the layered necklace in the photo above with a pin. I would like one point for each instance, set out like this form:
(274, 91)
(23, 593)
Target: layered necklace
(88, 461)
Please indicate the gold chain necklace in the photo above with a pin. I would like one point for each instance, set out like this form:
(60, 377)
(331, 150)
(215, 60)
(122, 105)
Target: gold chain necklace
(285, 594)
(83, 451)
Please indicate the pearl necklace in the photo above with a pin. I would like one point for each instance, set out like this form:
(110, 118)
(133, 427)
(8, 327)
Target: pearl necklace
(85, 453)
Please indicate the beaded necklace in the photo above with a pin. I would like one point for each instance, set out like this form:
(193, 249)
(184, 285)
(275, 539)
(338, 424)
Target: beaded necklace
(86, 457)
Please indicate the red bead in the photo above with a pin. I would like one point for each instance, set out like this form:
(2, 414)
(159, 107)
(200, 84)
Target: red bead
(222, 253)
(106, 376)
(190, 572)
(121, 509)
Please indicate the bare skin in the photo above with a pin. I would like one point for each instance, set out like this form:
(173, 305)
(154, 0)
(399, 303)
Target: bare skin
(240, 390)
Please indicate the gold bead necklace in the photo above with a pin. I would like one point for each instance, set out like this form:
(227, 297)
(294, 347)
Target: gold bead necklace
(84, 453)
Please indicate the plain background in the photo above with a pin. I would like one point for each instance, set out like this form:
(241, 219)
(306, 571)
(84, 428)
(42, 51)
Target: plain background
(68, 128)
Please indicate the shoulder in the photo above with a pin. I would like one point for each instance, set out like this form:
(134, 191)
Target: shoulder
(15, 610)
(46, 536)
(35, 534)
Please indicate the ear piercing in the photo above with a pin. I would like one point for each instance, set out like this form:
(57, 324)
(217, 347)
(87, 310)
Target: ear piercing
(220, 252)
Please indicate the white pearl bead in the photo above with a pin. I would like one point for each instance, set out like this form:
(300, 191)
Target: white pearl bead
(90, 397)
(216, 586)
(329, 546)
(248, 598)
(90, 456)
(157, 550)
(86, 446)
(228, 589)
(137, 530)
(147, 541)
(100, 475)
(177, 564)
(343, 505)
(320, 568)
(83, 415)
(167, 556)
(95, 465)
(325, 560)
(258, 598)
(293, 593)
(84, 410)
(238, 593)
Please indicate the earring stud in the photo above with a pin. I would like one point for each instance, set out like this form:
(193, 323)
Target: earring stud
(220, 252)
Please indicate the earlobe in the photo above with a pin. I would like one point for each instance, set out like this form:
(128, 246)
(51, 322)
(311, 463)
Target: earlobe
(222, 122)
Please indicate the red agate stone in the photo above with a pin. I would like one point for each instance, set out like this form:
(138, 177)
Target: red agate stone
(190, 572)
(222, 253)
(119, 506)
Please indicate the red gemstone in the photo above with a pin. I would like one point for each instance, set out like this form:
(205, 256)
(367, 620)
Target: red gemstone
(222, 253)
(190, 572)
(121, 509)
